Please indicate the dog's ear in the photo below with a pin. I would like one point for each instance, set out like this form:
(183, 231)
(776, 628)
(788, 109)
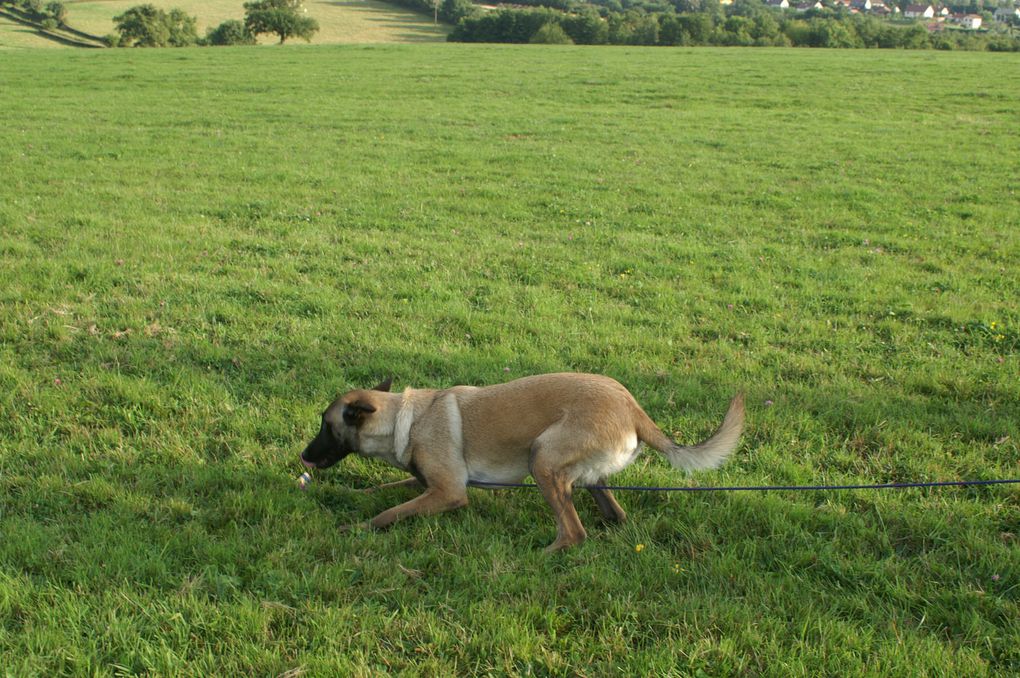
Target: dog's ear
(354, 413)
(383, 385)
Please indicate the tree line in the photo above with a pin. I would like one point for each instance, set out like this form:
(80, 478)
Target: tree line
(149, 26)
(746, 23)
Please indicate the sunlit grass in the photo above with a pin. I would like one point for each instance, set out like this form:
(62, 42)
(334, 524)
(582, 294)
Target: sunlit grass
(201, 247)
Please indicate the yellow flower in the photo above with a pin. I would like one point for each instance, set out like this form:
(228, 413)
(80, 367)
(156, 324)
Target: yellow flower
(639, 548)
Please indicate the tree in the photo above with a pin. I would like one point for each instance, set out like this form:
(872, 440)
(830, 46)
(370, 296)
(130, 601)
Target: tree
(183, 28)
(230, 32)
(33, 7)
(452, 11)
(57, 11)
(284, 18)
(698, 27)
(915, 37)
(586, 27)
(646, 31)
(551, 33)
(148, 26)
(670, 32)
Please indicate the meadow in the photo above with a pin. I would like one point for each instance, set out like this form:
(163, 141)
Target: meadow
(200, 248)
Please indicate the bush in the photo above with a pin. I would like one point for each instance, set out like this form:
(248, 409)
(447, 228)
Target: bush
(231, 32)
(1002, 43)
(551, 34)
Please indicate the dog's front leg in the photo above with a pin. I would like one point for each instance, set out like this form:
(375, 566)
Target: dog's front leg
(432, 500)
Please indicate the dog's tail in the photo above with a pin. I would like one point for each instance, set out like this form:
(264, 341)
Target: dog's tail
(708, 454)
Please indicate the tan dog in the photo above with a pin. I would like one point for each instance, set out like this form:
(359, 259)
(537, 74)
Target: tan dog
(560, 428)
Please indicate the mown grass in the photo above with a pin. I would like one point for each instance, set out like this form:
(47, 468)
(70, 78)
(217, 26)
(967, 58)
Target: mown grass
(201, 247)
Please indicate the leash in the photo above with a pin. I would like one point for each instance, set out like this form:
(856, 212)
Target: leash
(763, 488)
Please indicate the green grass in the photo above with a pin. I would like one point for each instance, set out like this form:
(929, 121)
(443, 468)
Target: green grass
(202, 247)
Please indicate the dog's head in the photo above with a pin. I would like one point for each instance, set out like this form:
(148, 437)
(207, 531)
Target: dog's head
(341, 422)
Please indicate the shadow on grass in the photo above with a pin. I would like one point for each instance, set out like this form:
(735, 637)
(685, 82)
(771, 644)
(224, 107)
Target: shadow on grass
(383, 14)
(218, 489)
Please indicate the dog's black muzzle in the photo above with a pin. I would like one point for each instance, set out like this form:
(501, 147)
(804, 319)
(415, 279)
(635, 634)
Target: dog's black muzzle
(323, 451)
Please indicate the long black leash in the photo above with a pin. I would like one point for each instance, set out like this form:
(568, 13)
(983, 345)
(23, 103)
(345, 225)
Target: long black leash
(764, 488)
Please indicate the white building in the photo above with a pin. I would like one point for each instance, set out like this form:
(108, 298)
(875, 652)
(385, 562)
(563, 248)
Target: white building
(919, 12)
(971, 22)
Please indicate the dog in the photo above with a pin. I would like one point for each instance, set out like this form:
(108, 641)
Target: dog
(561, 429)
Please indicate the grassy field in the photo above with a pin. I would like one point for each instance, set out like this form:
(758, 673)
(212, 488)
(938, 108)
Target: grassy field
(202, 247)
(343, 21)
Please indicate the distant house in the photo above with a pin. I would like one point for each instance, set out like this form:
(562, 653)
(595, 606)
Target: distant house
(781, 4)
(806, 6)
(919, 12)
(943, 11)
(971, 22)
(1007, 14)
(880, 8)
(861, 5)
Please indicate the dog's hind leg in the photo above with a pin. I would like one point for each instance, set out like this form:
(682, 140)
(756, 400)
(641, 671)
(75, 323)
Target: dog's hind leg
(558, 492)
(611, 511)
(556, 485)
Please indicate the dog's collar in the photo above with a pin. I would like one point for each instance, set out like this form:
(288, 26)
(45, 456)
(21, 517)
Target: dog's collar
(402, 430)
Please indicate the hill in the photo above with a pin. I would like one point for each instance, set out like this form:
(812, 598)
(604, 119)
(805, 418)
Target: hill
(340, 21)
(14, 35)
